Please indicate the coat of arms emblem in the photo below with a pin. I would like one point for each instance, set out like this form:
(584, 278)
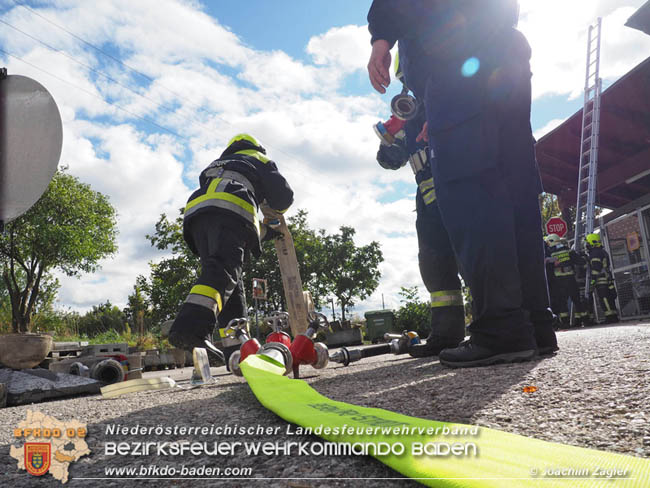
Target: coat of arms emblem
(37, 457)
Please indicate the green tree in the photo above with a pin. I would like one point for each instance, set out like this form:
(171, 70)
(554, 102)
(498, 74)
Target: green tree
(70, 228)
(414, 314)
(348, 272)
(549, 206)
(137, 311)
(5, 311)
(103, 318)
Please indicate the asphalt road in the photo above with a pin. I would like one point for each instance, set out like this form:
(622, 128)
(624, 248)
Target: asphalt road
(593, 393)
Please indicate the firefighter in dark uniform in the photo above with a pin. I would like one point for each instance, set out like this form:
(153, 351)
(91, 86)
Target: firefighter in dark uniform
(470, 67)
(601, 278)
(221, 225)
(565, 286)
(435, 257)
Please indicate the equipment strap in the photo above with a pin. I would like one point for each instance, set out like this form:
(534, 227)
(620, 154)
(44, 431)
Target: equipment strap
(418, 160)
(219, 172)
(501, 459)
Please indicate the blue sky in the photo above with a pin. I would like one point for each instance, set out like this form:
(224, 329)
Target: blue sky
(285, 24)
(292, 73)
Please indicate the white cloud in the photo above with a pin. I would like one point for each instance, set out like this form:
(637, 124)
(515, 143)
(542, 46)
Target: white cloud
(346, 47)
(550, 125)
(557, 32)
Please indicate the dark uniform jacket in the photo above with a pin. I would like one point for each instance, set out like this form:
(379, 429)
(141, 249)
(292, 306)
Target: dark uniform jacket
(234, 186)
(567, 259)
(462, 58)
(599, 263)
(437, 34)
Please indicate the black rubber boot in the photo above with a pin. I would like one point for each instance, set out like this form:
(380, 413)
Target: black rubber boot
(192, 327)
(447, 331)
(543, 321)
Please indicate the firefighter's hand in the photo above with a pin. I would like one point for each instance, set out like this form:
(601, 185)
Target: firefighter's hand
(379, 65)
(593, 283)
(424, 134)
(269, 233)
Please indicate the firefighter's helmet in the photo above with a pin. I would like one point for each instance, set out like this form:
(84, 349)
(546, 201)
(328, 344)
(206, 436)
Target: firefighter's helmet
(593, 240)
(553, 240)
(243, 142)
(244, 137)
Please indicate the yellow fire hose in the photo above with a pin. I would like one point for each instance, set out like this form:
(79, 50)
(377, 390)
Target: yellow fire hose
(441, 453)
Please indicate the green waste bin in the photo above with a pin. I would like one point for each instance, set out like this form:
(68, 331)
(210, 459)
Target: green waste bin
(378, 322)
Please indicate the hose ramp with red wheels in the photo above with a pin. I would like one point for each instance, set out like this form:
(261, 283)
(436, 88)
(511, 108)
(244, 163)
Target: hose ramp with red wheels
(440, 454)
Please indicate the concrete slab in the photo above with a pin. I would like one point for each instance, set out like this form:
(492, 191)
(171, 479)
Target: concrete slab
(105, 349)
(23, 387)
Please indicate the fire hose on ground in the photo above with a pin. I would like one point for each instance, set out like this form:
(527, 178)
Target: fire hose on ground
(489, 458)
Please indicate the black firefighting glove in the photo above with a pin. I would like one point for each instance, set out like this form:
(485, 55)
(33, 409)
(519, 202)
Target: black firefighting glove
(269, 233)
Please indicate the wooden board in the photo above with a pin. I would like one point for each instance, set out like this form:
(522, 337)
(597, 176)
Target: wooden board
(291, 280)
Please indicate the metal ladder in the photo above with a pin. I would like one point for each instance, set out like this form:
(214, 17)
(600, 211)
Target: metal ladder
(588, 166)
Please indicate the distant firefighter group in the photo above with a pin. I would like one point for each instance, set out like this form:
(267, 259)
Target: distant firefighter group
(567, 273)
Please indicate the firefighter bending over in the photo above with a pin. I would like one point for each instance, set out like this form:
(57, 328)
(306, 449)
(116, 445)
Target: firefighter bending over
(221, 226)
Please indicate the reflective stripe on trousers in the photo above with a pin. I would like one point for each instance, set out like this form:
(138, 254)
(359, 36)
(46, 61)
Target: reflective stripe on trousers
(447, 298)
(428, 191)
(205, 296)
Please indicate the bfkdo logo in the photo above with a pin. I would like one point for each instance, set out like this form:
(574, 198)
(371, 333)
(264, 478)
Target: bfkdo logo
(44, 444)
(37, 457)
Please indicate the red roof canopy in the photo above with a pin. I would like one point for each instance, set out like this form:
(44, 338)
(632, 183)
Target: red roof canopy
(641, 19)
(624, 145)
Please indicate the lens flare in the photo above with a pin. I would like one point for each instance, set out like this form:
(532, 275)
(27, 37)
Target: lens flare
(470, 67)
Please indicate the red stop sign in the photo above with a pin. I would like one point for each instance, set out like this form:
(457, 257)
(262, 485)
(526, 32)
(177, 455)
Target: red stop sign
(556, 225)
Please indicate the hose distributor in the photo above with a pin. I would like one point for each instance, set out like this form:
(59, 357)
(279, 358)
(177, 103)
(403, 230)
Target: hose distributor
(278, 321)
(305, 351)
(238, 328)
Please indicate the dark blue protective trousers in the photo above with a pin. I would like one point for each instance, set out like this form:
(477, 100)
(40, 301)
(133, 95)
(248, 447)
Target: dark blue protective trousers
(487, 185)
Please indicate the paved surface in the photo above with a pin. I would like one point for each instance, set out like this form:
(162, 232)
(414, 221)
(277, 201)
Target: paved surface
(594, 394)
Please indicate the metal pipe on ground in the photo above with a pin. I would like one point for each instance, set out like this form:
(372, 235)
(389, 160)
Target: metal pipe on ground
(398, 344)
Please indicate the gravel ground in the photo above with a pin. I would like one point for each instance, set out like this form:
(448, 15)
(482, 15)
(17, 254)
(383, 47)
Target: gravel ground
(594, 394)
